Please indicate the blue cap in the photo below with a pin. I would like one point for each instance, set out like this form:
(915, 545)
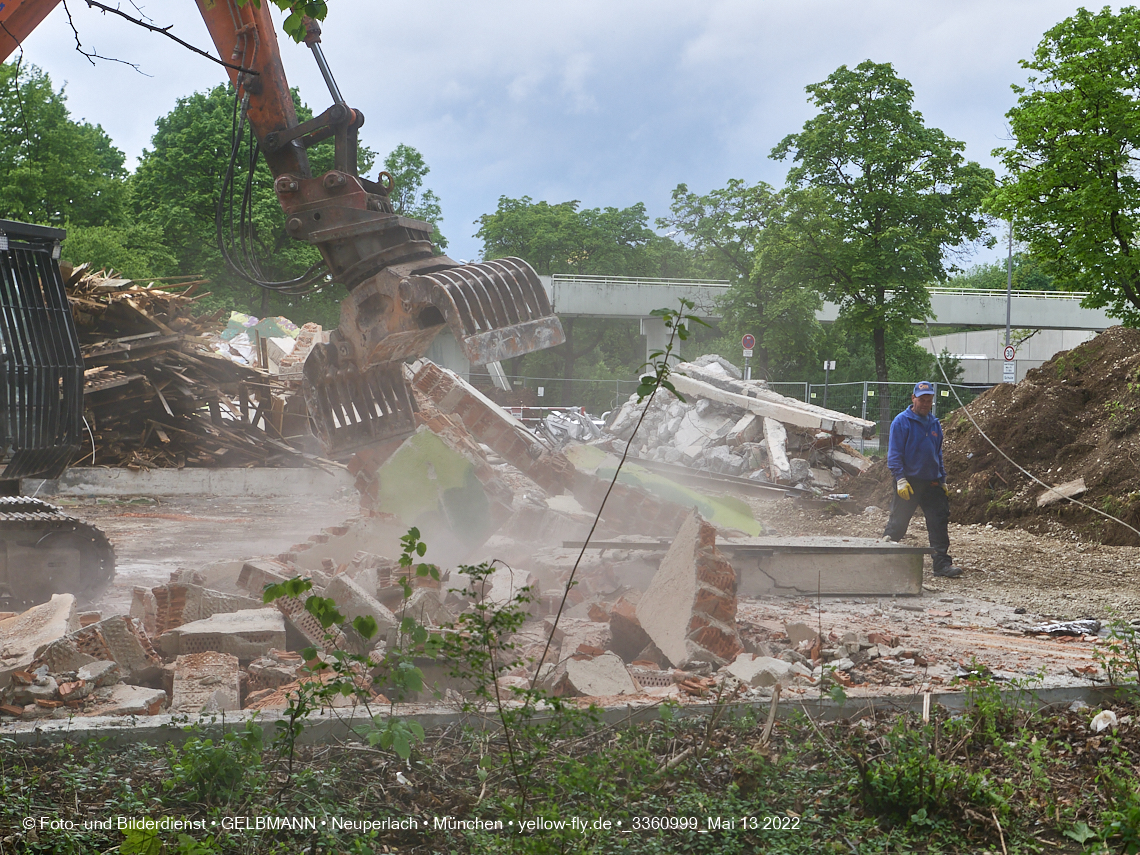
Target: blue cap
(923, 387)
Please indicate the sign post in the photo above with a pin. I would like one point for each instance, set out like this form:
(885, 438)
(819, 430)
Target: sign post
(828, 367)
(747, 343)
(1009, 367)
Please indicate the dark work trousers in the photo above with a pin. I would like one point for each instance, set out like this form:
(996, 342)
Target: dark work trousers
(929, 496)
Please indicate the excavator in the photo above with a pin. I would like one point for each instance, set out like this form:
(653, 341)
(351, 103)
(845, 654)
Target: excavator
(401, 295)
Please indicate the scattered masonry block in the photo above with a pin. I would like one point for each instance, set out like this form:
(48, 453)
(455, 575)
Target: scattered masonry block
(100, 673)
(764, 671)
(353, 601)
(120, 639)
(748, 429)
(246, 635)
(206, 682)
(601, 676)
(22, 635)
(689, 610)
(125, 700)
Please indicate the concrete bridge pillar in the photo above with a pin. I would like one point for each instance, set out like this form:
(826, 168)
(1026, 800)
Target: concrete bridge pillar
(657, 338)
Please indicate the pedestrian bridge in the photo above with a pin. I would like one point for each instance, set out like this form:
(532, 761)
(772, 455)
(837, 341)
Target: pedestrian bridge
(632, 297)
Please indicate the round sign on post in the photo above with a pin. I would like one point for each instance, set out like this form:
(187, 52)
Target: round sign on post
(748, 342)
(1009, 353)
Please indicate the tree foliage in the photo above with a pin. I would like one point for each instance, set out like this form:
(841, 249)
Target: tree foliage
(728, 227)
(1028, 275)
(53, 169)
(564, 238)
(1073, 191)
(560, 238)
(175, 193)
(876, 199)
(409, 196)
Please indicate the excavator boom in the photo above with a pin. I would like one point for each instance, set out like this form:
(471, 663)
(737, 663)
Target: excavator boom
(401, 294)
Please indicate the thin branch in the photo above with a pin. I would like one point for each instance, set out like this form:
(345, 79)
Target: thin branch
(94, 55)
(598, 517)
(164, 31)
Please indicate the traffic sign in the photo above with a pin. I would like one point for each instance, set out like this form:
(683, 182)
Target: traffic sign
(1009, 353)
(1009, 372)
(748, 342)
(747, 351)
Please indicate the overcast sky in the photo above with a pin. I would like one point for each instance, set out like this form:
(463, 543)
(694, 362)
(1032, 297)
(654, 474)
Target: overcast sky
(610, 102)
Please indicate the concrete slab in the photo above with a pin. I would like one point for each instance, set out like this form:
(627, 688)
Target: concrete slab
(21, 636)
(124, 700)
(601, 676)
(765, 670)
(255, 483)
(206, 682)
(830, 566)
(689, 610)
(246, 635)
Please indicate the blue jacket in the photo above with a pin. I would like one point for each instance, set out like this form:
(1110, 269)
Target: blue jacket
(915, 450)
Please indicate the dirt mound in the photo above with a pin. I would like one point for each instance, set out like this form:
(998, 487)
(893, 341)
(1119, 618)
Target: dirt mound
(1077, 416)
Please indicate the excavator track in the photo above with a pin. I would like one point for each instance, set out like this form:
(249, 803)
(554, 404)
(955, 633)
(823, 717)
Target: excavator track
(45, 552)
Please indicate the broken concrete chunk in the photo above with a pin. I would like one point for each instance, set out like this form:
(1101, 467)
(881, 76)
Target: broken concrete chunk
(1068, 490)
(21, 636)
(246, 635)
(120, 639)
(353, 601)
(502, 586)
(689, 611)
(776, 437)
(206, 682)
(798, 633)
(629, 638)
(273, 670)
(749, 429)
(424, 606)
(122, 699)
(763, 671)
(601, 676)
(101, 673)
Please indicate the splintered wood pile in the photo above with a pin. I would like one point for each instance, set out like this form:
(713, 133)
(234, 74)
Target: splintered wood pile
(157, 395)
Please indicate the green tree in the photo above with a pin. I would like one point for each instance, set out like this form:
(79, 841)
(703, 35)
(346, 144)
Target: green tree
(409, 196)
(875, 201)
(1028, 275)
(175, 191)
(728, 227)
(1073, 191)
(562, 238)
(54, 170)
(134, 251)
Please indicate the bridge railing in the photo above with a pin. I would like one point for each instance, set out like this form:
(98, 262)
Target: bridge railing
(1001, 292)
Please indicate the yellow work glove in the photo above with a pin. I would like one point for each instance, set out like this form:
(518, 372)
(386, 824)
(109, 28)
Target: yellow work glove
(903, 488)
(945, 488)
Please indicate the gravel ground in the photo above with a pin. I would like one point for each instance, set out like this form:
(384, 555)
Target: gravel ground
(1053, 576)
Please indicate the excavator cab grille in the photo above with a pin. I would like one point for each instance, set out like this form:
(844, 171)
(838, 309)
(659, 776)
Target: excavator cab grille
(41, 369)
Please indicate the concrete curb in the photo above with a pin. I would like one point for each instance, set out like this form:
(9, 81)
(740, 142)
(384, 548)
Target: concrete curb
(335, 726)
(255, 483)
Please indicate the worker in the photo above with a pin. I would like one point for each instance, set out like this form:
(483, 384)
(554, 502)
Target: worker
(914, 457)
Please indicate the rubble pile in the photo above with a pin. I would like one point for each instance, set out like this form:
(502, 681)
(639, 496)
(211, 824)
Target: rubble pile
(158, 394)
(1074, 423)
(729, 426)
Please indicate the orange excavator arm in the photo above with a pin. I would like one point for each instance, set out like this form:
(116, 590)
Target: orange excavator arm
(401, 294)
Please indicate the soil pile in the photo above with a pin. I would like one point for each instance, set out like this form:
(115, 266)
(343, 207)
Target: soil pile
(1077, 416)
